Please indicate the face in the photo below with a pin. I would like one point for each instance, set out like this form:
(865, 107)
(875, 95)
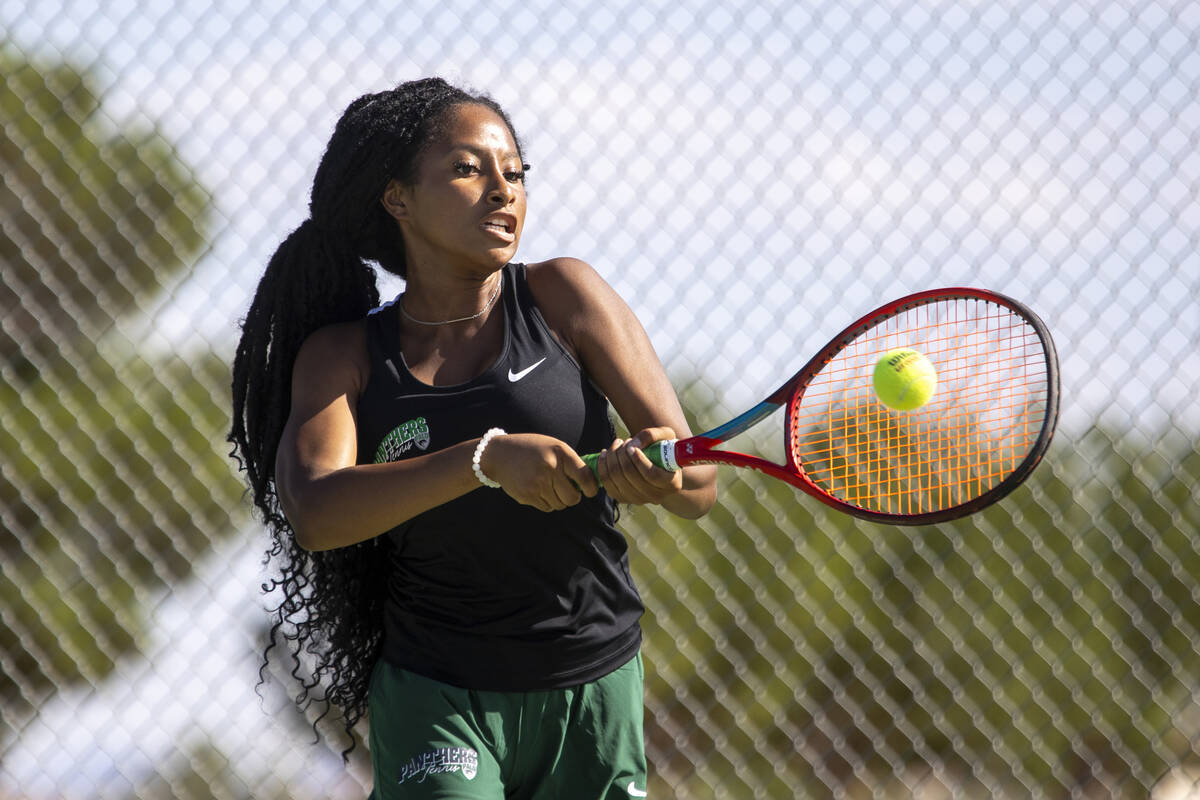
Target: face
(466, 204)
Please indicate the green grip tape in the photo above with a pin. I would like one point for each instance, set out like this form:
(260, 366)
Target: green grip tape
(661, 454)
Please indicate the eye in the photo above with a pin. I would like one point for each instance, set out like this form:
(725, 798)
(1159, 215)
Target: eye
(465, 168)
(516, 175)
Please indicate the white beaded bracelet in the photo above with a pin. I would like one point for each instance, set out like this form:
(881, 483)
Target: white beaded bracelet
(479, 448)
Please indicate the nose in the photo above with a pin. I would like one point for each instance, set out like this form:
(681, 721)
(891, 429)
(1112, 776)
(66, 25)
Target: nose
(501, 191)
(501, 194)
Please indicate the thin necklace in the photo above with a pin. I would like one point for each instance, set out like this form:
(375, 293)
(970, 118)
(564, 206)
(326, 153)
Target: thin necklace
(484, 310)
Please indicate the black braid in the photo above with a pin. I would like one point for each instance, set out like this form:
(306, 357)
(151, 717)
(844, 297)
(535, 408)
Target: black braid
(332, 601)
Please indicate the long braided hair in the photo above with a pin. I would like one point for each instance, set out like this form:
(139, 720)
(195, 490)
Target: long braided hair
(332, 601)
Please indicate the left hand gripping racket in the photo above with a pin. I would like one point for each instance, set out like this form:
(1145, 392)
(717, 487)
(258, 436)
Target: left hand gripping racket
(982, 433)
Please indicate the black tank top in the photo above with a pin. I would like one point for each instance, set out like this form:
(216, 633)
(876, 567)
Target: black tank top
(486, 593)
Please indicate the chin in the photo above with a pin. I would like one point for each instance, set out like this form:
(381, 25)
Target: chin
(502, 256)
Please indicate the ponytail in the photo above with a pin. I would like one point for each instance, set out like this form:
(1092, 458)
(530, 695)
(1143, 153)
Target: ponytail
(311, 281)
(332, 601)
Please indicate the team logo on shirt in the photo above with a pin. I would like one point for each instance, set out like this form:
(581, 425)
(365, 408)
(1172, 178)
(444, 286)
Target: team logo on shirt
(414, 433)
(436, 762)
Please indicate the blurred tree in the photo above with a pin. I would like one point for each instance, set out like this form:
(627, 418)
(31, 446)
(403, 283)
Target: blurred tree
(1047, 646)
(114, 480)
(92, 219)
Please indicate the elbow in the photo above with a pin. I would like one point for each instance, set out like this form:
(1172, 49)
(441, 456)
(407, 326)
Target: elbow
(313, 536)
(316, 528)
(319, 525)
(306, 527)
(308, 539)
(306, 534)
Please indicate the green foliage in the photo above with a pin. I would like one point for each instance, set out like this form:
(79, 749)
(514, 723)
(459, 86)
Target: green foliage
(1045, 645)
(96, 219)
(114, 480)
(110, 495)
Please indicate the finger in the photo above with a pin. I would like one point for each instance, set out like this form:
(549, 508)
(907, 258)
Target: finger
(564, 492)
(650, 471)
(640, 480)
(549, 501)
(584, 475)
(532, 501)
(583, 479)
(648, 436)
(603, 467)
(625, 480)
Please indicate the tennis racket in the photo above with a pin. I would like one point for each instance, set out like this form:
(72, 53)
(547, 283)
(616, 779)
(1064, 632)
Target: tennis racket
(982, 433)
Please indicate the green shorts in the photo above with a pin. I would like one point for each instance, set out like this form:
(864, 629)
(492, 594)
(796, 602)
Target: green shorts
(433, 740)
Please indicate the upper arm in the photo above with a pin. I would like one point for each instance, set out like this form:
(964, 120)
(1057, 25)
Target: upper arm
(613, 347)
(321, 433)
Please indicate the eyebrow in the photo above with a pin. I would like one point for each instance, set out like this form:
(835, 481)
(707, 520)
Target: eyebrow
(481, 150)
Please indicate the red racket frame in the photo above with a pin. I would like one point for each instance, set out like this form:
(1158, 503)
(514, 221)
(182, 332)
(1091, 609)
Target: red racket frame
(701, 449)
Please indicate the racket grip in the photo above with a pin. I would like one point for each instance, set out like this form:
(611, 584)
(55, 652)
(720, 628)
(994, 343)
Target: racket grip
(661, 454)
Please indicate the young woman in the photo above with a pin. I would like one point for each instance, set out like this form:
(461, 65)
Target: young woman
(445, 553)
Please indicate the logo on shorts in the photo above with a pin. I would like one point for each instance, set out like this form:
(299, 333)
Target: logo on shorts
(436, 762)
(403, 438)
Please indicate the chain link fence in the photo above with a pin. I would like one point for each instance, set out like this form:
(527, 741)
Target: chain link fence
(770, 169)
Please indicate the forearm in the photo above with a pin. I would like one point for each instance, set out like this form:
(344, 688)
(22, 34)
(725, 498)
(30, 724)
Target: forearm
(340, 507)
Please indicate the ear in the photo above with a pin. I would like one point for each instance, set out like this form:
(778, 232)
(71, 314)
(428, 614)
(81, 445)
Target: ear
(393, 198)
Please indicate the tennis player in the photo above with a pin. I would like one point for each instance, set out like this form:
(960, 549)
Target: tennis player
(444, 553)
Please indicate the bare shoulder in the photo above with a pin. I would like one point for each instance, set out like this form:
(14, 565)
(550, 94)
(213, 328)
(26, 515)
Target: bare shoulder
(571, 295)
(335, 353)
(585, 311)
(560, 278)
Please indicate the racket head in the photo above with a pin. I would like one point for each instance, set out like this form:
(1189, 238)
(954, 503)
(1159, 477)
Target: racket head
(986, 427)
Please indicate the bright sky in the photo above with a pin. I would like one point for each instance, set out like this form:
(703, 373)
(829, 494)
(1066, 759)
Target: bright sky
(774, 169)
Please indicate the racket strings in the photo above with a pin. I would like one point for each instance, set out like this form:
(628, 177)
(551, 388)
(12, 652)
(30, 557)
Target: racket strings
(985, 417)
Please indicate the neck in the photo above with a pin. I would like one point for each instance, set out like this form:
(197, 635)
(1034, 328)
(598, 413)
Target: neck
(452, 302)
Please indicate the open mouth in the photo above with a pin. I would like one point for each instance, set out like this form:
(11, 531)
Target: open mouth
(502, 226)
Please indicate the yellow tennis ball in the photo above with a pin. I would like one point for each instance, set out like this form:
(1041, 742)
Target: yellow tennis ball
(904, 379)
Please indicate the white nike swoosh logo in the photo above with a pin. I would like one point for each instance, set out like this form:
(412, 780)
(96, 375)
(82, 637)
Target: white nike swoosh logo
(634, 791)
(516, 376)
